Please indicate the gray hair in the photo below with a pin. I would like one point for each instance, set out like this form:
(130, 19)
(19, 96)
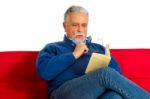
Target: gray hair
(75, 9)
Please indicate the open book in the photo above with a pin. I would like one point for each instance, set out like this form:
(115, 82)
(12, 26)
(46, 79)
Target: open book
(98, 60)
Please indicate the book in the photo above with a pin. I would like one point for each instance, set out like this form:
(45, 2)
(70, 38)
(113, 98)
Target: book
(98, 60)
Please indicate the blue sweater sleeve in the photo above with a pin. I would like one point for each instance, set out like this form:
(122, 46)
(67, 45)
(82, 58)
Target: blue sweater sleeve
(114, 64)
(49, 64)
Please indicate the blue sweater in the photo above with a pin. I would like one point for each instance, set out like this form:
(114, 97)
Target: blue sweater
(57, 64)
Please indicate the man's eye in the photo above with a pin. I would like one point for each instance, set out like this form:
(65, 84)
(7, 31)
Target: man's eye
(84, 25)
(74, 25)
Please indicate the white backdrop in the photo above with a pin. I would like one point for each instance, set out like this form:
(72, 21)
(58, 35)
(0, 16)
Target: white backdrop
(30, 24)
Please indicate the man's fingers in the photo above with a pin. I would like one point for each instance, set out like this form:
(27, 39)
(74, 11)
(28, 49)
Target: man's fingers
(86, 50)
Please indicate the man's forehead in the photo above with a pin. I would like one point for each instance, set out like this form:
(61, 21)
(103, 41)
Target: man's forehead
(75, 15)
(77, 18)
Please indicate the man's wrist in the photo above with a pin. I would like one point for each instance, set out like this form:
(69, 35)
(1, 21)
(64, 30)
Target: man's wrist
(76, 57)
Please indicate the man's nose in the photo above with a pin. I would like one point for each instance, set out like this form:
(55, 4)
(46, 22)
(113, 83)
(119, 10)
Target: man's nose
(80, 28)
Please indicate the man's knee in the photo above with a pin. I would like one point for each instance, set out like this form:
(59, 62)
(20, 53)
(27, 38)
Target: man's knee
(107, 71)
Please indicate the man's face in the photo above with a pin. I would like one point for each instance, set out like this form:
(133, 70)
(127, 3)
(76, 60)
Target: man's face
(76, 26)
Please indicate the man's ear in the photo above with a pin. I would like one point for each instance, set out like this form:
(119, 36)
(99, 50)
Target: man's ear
(64, 25)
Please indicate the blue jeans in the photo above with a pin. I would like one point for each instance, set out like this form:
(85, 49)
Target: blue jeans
(105, 83)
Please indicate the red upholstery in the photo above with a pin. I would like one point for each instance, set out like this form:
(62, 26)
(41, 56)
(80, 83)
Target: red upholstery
(135, 65)
(18, 77)
(19, 80)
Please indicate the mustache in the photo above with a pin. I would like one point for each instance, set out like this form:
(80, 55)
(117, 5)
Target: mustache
(79, 33)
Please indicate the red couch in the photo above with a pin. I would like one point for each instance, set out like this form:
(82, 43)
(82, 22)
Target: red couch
(19, 80)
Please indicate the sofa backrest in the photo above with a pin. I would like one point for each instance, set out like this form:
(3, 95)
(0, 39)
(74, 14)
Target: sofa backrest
(135, 65)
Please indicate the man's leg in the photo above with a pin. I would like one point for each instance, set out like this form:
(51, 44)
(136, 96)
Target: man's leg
(83, 87)
(111, 79)
(93, 84)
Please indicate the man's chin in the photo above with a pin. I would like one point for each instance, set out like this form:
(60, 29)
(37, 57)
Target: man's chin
(77, 41)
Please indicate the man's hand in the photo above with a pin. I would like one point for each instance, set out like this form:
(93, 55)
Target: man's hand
(80, 49)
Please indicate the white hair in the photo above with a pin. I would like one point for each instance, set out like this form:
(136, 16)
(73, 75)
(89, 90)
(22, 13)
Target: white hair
(75, 9)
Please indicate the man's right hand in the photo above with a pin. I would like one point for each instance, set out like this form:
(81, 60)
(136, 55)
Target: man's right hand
(80, 49)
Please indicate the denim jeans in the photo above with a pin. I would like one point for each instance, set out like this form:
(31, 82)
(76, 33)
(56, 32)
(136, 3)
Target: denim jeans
(104, 83)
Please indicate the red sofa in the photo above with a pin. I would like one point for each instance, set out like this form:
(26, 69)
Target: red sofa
(19, 80)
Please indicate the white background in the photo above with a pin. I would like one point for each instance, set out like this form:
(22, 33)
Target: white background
(30, 24)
